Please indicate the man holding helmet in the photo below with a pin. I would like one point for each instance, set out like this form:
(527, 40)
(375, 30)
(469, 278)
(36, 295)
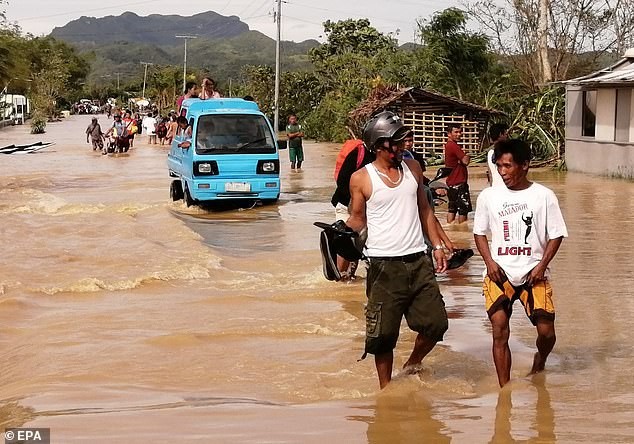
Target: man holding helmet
(386, 197)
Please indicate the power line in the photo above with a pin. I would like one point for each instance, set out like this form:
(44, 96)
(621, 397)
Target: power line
(86, 10)
(362, 15)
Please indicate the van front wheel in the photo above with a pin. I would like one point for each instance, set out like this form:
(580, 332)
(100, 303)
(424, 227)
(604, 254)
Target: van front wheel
(176, 190)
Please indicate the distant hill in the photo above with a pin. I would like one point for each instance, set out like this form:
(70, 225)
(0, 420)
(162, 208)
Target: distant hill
(152, 29)
(115, 46)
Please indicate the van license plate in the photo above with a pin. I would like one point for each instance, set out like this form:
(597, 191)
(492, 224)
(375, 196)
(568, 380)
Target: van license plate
(238, 186)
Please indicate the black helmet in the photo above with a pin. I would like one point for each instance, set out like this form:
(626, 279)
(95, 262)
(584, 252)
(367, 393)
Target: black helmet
(385, 125)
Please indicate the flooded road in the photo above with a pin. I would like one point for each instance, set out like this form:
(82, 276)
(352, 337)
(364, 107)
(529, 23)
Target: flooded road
(126, 317)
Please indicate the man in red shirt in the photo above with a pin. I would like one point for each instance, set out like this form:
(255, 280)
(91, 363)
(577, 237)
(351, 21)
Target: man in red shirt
(458, 192)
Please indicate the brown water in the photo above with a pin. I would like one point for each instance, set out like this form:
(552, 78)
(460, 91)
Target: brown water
(127, 318)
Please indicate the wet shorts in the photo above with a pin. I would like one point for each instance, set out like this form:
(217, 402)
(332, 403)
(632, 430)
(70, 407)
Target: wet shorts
(459, 199)
(296, 154)
(402, 287)
(537, 300)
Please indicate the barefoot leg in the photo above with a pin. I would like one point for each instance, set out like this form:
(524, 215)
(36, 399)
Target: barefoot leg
(501, 350)
(545, 342)
(422, 347)
(383, 364)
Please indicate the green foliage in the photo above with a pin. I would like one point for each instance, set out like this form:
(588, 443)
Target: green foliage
(164, 85)
(328, 121)
(38, 123)
(540, 120)
(455, 57)
(351, 36)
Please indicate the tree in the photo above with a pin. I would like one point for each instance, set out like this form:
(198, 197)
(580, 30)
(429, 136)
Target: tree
(354, 59)
(166, 83)
(351, 36)
(5, 53)
(594, 27)
(456, 58)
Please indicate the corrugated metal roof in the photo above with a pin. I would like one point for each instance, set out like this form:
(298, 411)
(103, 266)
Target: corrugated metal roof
(616, 74)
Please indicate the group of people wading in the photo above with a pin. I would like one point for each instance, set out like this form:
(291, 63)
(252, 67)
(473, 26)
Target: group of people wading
(387, 199)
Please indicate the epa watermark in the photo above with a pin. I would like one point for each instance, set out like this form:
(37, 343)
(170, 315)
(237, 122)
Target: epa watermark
(27, 436)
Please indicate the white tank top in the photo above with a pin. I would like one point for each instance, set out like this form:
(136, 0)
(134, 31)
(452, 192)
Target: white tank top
(394, 227)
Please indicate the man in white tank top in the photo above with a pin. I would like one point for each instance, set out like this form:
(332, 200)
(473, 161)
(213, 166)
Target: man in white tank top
(386, 197)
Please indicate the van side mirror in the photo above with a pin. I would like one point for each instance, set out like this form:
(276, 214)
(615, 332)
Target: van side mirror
(282, 144)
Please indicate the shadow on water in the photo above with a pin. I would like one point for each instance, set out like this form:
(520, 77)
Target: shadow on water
(403, 418)
(543, 423)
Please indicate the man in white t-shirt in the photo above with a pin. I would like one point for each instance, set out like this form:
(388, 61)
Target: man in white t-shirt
(497, 133)
(149, 124)
(526, 229)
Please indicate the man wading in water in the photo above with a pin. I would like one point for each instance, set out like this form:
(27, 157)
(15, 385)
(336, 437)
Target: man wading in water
(386, 196)
(521, 249)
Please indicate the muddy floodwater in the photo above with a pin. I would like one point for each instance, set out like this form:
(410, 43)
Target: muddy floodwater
(125, 317)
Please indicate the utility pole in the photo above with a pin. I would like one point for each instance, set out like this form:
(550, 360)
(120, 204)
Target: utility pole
(145, 76)
(186, 37)
(278, 19)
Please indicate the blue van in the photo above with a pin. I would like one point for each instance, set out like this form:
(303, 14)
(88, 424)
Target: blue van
(233, 155)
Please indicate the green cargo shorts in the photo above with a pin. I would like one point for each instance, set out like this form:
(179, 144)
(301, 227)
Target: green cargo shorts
(397, 288)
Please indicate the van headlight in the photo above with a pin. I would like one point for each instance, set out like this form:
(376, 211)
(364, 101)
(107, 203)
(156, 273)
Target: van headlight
(205, 168)
(268, 166)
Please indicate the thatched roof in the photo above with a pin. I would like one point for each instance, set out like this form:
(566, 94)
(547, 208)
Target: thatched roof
(386, 98)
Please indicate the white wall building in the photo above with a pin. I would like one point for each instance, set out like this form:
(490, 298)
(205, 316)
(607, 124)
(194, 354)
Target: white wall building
(600, 121)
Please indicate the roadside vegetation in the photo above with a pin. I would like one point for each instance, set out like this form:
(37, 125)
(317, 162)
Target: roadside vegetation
(486, 53)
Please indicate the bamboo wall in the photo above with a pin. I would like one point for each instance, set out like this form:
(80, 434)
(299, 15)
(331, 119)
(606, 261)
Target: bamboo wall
(430, 129)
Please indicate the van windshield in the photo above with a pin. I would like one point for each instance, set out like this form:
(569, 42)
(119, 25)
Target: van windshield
(233, 133)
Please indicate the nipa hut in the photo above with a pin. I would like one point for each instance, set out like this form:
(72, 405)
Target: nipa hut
(428, 114)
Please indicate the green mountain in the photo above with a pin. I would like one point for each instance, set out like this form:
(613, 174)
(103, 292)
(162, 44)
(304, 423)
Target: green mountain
(152, 29)
(116, 45)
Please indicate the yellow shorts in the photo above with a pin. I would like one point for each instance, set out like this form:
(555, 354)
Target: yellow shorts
(537, 300)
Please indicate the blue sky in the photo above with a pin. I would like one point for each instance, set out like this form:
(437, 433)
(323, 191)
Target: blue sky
(301, 19)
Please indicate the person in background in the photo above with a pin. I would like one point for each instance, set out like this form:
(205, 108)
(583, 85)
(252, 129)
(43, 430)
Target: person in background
(95, 133)
(208, 89)
(149, 123)
(354, 160)
(185, 131)
(497, 133)
(172, 128)
(295, 147)
(527, 229)
(459, 199)
(409, 153)
(161, 129)
(191, 91)
(120, 130)
(131, 127)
